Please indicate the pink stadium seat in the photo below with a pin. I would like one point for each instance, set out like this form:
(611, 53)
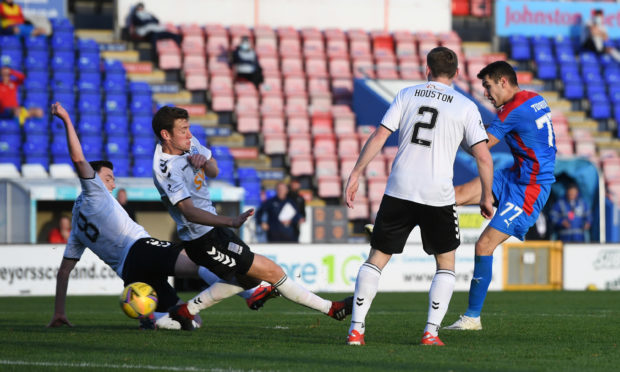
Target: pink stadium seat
(222, 102)
(273, 105)
(266, 50)
(320, 101)
(292, 67)
(359, 210)
(348, 146)
(221, 84)
(314, 48)
(406, 48)
(376, 167)
(311, 33)
(264, 31)
(318, 85)
(585, 147)
(376, 188)
(247, 104)
(167, 46)
(340, 68)
(298, 124)
(273, 124)
(271, 87)
(299, 144)
(219, 66)
(193, 44)
(344, 124)
(360, 48)
(195, 63)
(347, 162)
(411, 70)
(239, 29)
(275, 143)
(290, 48)
(386, 70)
(302, 165)
(170, 61)
(329, 187)
(299, 101)
(287, 32)
(357, 34)
(269, 64)
(604, 153)
(342, 88)
(322, 123)
(337, 48)
(324, 145)
(426, 46)
(363, 68)
(196, 81)
(326, 166)
(245, 88)
(217, 45)
(334, 34)
(565, 146)
(316, 68)
(215, 29)
(248, 122)
(611, 168)
(294, 85)
(236, 40)
(403, 35)
(191, 30)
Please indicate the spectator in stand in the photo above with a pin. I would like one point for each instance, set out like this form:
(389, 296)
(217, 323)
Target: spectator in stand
(121, 197)
(13, 22)
(571, 216)
(595, 36)
(300, 202)
(245, 63)
(9, 105)
(60, 234)
(146, 26)
(279, 217)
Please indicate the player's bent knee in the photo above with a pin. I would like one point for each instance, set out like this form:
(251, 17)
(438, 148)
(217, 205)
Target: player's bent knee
(265, 269)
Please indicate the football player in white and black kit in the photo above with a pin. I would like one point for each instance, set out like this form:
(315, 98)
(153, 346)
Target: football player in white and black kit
(432, 119)
(180, 168)
(101, 224)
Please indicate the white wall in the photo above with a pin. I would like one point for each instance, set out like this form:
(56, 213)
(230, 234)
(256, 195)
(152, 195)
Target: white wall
(413, 15)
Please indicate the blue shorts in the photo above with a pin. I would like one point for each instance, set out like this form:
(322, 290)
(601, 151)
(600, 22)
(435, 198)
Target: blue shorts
(518, 204)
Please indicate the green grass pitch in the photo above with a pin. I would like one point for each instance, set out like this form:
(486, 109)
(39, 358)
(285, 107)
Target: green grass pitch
(523, 331)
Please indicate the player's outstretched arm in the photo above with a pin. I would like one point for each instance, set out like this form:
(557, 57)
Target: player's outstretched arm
(84, 170)
(485, 170)
(197, 215)
(62, 281)
(371, 148)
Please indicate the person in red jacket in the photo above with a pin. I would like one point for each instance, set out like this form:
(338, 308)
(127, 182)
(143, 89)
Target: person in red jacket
(60, 234)
(13, 22)
(9, 105)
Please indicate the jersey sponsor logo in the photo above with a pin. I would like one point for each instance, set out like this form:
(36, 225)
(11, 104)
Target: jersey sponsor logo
(221, 257)
(235, 248)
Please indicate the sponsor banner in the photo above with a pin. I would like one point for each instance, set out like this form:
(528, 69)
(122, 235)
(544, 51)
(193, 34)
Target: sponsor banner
(32, 269)
(194, 109)
(138, 67)
(552, 18)
(244, 152)
(334, 267)
(591, 266)
(44, 8)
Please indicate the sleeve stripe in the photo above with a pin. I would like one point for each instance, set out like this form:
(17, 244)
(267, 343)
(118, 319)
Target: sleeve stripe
(71, 259)
(484, 140)
(391, 131)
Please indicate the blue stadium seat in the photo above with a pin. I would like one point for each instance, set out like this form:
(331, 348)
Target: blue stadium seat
(59, 144)
(113, 67)
(89, 103)
(62, 40)
(221, 152)
(117, 146)
(595, 88)
(62, 159)
(9, 126)
(36, 99)
(88, 45)
(43, 159)
(63, 60)
(600, 109)
(252, 192)
(14, 159)
(36, 126)
(67, 99)
(90, 124)
(116, 124)
(227, 170)
(89, 61)
(519, 48)
(541, 41)
(247, 174)
(270, 193)
(37, 144)
(143, 146)
(592, 76)
(139, 88)
(61, 24)
(38, 43)
(546, 65)
(142, 166)
(92, 146)
(10, 144)
(141, 104)
(89, 82)
(199, 132)
(12, 58)
(36, 80)
(607, 61)
(573, 90)
(142, 125)
(10, 42)
(115, 103)
(36, 60)
(566, 58)
(63, 81)
(588, 59)
(115, 84)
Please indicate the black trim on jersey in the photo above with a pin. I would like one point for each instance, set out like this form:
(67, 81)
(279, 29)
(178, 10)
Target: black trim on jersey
(70, 259)
(484, 140)
(391, 131)
(175, 204)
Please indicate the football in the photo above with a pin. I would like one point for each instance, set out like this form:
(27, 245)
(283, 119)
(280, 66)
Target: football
(138, 300)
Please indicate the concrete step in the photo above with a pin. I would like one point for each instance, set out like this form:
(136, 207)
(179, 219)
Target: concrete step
(156, 76)
(550, 96)
(234, 140)
(208, 120)
(182, 97)
(476, 48)
(125, 56)
(262, 161)
(100, 36)
(589, 125)
(562, 106)
(575, 116)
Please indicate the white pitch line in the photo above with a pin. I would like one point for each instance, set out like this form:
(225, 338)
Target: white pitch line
(113, 366)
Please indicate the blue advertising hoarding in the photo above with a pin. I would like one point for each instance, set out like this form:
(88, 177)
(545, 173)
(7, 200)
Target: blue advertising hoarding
(44, 8)
(552, 18)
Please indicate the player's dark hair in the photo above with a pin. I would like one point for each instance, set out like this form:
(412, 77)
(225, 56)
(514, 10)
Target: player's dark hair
(499, 69)
(165, 117)
(98, 164)
(442, 62)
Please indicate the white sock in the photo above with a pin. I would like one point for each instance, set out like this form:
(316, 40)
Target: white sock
(301, 295)
(212, 295)
(366, 287)
(208, 277)
(439, 299)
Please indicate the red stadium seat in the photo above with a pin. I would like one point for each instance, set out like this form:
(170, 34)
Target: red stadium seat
(376, 167)
(292, 67)
(298, 124)
(223, 102)
(337, 48)
(302, 165)
(360, 210)
(273, 124)
(322, 123)
(248, 122)
(326, 165)
(340, 68)
(314, 48)
(376, 188)
(170, 61)
(196, 81)
(275, 143)
(299, 144)
(316, 68)
(348, 145)
(329, 187)
(324, 145)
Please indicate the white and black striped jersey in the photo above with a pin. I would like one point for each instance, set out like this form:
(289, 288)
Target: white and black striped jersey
(100, 223)
(433, 119)
(176, 180)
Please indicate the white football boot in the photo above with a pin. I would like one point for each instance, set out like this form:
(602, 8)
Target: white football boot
(466, 323)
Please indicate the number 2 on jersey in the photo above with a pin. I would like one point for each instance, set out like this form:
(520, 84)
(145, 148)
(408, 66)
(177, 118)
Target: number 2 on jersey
(546, 120)
(425, 125)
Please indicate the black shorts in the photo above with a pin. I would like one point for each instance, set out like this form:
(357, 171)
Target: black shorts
(152, 261)
(221, 251)
(397, 217)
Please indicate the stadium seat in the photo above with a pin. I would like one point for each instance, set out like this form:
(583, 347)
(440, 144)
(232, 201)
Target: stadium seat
(117, 146)
(34, 170)
(89, 82)
(116, 124)
(519, 48)
(89, 103)
(89, 61)
(9, 126)
(36, 60)
(90, 124)
(274, 143)
(63, 61)
(329, 187)
(360, 210)
(301, 165)
(142, 166)
(141, 125)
